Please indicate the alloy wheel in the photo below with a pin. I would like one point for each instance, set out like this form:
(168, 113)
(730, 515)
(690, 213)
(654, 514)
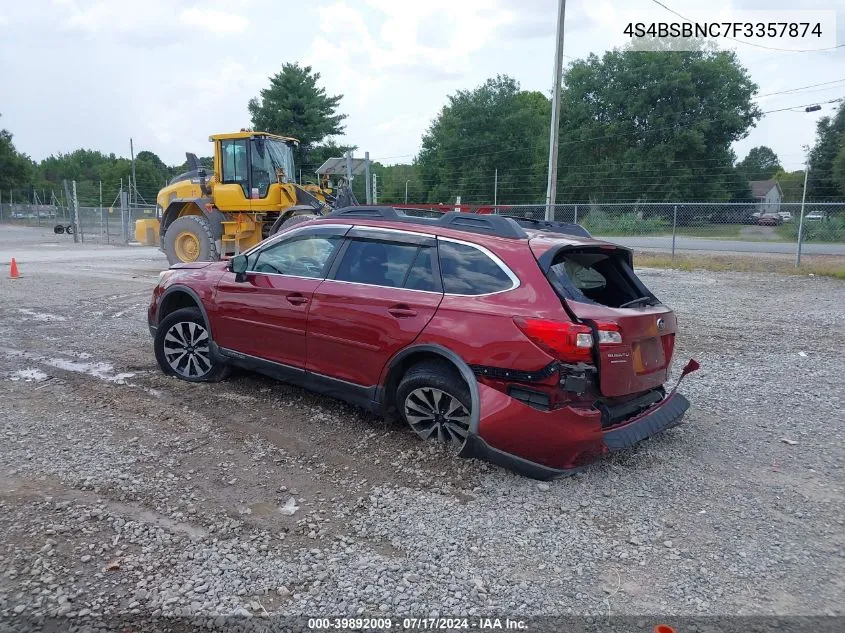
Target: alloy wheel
(186, 349)
(438, 416)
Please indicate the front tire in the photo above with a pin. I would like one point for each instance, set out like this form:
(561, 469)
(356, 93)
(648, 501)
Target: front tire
(435, 402)
(189, 239)
(183, 348)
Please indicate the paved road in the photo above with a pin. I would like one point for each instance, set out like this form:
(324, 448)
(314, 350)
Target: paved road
(664, 242)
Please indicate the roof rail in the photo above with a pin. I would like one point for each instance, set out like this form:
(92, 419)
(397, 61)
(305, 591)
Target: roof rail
(497, 225)
(550, 226)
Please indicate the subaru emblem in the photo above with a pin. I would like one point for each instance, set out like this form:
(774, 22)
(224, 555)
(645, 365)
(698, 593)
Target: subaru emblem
(661, 325)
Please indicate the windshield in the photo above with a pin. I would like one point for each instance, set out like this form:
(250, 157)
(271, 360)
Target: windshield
(271, 160)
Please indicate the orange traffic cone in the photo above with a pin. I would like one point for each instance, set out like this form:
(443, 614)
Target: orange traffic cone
(13, 271)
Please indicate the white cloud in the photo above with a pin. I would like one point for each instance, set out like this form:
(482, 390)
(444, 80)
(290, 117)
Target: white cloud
(215, 21)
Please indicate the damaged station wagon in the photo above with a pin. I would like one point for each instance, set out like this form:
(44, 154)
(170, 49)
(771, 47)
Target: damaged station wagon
(525, 343)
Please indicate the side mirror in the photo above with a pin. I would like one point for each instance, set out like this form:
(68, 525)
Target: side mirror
(238, 265)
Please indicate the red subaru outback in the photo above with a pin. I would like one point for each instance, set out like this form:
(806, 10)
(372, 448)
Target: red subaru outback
(526, 343)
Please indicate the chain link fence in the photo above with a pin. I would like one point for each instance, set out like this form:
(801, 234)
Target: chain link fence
(96, 225)
(762, 227)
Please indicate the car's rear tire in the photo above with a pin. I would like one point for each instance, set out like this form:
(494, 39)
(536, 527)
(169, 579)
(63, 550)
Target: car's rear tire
(183, 348)
(435, 402)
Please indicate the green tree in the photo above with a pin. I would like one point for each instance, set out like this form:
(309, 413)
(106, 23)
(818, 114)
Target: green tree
(822, 183)
(791, 183)
(495, 126)
(653, 125)
(761, 163)
(838, 171)
(15, 167)
(294, 105)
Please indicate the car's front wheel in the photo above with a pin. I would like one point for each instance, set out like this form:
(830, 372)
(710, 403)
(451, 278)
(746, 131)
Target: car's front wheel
(436, 403)
(183, 348)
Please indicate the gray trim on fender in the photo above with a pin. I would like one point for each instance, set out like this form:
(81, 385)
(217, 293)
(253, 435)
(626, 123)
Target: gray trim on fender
(466, 373)
(178, 288)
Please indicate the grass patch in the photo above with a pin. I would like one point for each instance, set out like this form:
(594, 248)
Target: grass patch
(831, 230)
(710, 230)
(599, 222)
(822, 265)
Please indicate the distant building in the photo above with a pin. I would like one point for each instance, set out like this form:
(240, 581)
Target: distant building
(767, 195)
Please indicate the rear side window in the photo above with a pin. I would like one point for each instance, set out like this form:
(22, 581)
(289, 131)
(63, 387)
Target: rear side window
(391, 264)
(597, 277)
(467, 270)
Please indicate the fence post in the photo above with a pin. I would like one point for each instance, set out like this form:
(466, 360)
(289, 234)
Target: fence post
(124, 216)
(576, 215)
(77, 224)
(69, 202)
(674, 227)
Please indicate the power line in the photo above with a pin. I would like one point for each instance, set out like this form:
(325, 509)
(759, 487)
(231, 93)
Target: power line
(771, 48)
(799, 89)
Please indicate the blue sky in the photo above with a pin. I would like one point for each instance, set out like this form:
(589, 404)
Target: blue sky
(92, 73)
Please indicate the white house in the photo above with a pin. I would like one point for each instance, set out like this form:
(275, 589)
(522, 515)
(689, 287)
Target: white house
(767, 195)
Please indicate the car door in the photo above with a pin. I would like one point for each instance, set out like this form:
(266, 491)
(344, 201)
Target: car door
(383, 289)
(265, 315)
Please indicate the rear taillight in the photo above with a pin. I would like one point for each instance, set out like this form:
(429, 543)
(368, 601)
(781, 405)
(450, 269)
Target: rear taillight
(609, 334)
(571, 342)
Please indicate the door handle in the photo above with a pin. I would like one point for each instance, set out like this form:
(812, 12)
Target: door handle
(402, 310)
(296, 299)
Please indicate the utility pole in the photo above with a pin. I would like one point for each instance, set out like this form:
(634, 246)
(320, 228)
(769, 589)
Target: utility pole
(812, 108)
(496, 189)
(369, 189)
(551, 186)
(406, 191)
(801, 219)
(135, 182)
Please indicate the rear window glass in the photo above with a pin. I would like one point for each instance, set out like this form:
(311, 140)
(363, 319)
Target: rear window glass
(596, 277)
(467, 270)
(391, 264)
(421, 275)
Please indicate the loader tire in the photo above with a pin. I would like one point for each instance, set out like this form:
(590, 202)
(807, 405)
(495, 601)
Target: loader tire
(293, 220)
(189, 239)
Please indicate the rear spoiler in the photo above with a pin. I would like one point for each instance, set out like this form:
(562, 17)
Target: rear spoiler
(550, 226)
(546, 259)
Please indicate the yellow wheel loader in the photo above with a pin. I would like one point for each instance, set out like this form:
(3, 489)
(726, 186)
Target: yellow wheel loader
(249, 195)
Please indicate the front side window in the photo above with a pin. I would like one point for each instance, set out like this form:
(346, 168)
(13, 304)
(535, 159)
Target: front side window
(467, 270)
(272, 161)
(235, 163)
(390, 264)
(304, 256)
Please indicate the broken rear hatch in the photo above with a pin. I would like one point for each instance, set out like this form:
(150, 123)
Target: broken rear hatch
(633, 332)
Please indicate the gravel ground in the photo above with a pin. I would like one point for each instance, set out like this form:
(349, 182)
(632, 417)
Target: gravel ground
(123, 491)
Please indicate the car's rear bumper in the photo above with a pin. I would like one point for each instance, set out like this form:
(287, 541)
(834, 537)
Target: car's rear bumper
(556, 443)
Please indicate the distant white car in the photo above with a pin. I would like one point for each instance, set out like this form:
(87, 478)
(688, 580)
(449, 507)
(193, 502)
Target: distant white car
(786, 216)
(815, 215)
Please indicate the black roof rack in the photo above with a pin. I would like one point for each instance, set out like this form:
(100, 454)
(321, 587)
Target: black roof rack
(552, 227)
(497, 225)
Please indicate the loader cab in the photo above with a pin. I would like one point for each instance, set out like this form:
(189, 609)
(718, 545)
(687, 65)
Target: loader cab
(246, 168)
